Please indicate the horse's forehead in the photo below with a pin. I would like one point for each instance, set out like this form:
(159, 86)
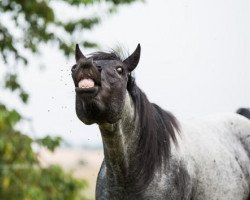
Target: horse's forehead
(107, 63)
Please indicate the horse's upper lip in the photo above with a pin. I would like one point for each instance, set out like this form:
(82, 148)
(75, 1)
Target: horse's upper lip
(87, 79)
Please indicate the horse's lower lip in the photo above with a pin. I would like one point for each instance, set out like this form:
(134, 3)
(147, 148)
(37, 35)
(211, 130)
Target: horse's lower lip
(87, 91)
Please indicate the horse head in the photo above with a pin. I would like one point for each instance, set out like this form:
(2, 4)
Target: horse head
(100, 84)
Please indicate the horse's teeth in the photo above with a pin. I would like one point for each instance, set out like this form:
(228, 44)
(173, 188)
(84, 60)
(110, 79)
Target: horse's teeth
(86, 83)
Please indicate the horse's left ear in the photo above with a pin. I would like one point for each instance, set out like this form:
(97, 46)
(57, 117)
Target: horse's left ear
(133, 60)
(78, 53)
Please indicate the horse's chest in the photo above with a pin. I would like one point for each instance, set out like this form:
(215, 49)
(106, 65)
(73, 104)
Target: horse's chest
(175, 184)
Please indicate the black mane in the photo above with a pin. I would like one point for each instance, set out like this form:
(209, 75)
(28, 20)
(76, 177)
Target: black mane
(156, 128)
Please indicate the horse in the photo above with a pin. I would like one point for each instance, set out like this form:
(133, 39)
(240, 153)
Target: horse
(148, 153)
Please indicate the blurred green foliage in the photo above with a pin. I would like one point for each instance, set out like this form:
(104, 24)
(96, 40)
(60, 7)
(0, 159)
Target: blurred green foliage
(49, 142)
(21, 174)
(25, 27)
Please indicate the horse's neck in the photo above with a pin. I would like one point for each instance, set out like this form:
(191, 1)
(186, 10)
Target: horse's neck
(118, 141)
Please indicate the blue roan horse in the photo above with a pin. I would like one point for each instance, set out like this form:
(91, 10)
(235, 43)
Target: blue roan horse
(148, 153)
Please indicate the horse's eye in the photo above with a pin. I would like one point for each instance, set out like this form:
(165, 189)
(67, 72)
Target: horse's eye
(119, 70)
(73, 68)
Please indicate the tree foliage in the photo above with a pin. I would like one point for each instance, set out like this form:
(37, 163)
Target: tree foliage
(21, 175)
(26, 25)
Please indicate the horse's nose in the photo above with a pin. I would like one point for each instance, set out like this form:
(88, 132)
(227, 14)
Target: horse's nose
(87, 63)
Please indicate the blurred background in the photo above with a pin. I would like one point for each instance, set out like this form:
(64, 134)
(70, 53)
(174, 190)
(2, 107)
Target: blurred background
(195, 61)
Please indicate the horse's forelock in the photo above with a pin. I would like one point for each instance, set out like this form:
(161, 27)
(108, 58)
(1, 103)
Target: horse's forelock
(112, 55)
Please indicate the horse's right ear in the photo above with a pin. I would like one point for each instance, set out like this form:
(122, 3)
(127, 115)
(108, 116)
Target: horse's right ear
(78, 53)
(133, 60)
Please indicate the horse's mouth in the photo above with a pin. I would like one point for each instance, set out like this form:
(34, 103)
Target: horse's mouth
(87, 87)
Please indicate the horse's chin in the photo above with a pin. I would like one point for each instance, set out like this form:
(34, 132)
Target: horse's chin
(91, 109)
(101, 119)
(88, 121)
(92, 114)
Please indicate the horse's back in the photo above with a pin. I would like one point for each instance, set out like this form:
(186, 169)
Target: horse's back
(216, 150)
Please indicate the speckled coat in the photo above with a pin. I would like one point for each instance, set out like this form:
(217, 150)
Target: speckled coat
(210, 162)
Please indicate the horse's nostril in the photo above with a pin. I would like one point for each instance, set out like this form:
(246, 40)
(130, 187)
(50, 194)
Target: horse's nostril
(73, 68)
(99, 68)
(86, 63)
